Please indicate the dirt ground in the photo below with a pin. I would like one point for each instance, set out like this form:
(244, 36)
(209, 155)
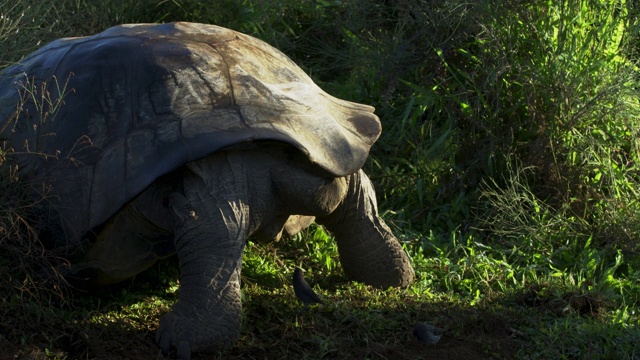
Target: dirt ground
(468, 335)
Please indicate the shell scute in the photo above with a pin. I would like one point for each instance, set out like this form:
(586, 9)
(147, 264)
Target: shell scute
(149, 98)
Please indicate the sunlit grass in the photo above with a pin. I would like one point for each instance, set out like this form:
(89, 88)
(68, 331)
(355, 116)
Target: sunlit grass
(507, 168)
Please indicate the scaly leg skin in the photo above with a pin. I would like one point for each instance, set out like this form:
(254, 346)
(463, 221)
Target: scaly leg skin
(369, 252)
(210, 233)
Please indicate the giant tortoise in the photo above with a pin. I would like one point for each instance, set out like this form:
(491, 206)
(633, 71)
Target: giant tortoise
(189, 138)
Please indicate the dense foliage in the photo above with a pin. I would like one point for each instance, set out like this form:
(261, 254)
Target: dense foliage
(508, 163)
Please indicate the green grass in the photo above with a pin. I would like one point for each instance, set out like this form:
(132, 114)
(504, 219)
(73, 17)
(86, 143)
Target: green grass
(507, 167)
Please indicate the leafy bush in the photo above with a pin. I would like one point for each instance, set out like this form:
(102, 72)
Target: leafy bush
(508, 159)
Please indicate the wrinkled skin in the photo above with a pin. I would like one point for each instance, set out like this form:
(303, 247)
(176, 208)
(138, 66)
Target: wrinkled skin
(190, 138)
(213, 205)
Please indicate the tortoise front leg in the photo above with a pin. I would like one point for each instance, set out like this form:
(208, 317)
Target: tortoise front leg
(369, 252)
(210, 228)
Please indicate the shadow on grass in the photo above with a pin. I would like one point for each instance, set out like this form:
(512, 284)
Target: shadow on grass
(356, 322)
(374, 324)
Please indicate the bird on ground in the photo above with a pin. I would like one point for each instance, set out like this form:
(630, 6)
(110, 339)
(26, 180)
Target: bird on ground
(427, 334)
(303, 290)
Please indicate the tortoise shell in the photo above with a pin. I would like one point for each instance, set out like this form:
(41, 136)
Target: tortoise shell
(141, 100)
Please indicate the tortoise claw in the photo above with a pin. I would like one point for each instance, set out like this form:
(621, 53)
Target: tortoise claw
(164, 343)
(184, 350)
(167, 337)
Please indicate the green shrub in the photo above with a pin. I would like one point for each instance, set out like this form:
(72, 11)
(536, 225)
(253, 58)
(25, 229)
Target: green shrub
(507, 163)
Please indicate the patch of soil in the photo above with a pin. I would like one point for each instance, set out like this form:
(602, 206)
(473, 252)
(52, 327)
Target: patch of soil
(585, 304)
(469, 334)
(273, 329)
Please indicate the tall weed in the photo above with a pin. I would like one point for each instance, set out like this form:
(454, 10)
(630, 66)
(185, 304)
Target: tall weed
(568, 199)
(581, 110)
(31, 284)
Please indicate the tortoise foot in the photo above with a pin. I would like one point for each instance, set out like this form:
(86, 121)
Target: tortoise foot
(186, 334)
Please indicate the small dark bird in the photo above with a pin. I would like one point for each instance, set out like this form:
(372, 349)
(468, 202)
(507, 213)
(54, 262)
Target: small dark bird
(427, 334)
(303, 291)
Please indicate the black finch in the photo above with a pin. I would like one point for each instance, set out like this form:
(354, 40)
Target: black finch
(303, 290)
